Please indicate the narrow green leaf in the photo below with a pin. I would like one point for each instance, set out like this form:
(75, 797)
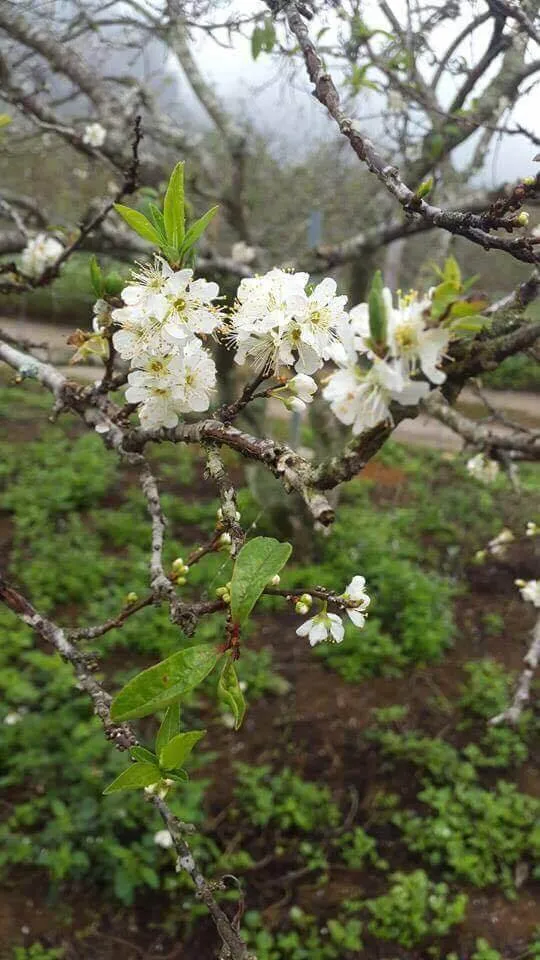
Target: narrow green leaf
(169, 727)
(197, 229)
(452, 272)
(470, 324)
(230, 693)
(136, 776)
(258, 561)
(179, 748)
(142, 754)
(158, 220)
(138, 222)
(161, 685)
(377, 310)
(468, 308)
(173, 207)
(180, 776)
(96, 277)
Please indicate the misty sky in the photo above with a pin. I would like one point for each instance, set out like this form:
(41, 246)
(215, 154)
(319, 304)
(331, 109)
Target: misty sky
(276, 98)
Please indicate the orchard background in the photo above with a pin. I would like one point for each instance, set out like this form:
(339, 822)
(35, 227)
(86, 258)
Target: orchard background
(285, 469)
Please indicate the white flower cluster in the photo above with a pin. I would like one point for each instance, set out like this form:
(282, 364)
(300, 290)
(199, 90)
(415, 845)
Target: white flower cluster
(165, 313)
(482, 468)
(329, 626)
(530, 591)
(94, 135)
(40, 254)
(360, 393)
(278, 321)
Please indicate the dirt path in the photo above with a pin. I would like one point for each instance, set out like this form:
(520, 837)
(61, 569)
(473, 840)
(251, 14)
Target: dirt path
(423, 431)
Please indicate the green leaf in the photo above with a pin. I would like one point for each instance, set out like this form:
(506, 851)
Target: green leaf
(258, 561)
(159, 686)
(425, 187)
(138, 222)
(158, 220)
(452, 272)
(4, 119)
(136, 776)
(181, 776)
(197, 229)
(470, 324)
(173, 207)
(263, 38)
(141, 753)
(114, 283)
(179, 748)
(169, 727)
(229, 691)
(96, 277)
(443, 296)
(468, 308)
(377, 310)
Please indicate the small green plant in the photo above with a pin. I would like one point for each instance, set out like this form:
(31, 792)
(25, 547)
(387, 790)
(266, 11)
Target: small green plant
(476, 834)
(483, 951)
(37, 952)
(304, 938)
(357, 848)
(486, 691)
(414, 908)
(285, 799)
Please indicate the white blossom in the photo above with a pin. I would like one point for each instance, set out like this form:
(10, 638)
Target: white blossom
(498, 545)
(361, 399)
(532, 529)
(141, 329)
(94, 135)
(101, 316)
(190, 308)
(12, 718)
(357, 595)
(243, 253)
(530, 591)
(276, 322)
(155, 386)
(40, 254)
(482, 468)
(196, 377)
(163, 839)
(415, 345)
(323, 626)
(163, 308)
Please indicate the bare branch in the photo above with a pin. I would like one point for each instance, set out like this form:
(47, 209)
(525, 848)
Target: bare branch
(523, 689)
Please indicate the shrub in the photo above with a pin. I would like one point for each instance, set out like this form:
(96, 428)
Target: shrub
(413, 909)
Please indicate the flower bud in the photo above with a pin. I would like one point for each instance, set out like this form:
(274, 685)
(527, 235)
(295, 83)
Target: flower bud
(301, 608)
(275, 581)
(220, 592)
(307, 599)
(181, 581)
(178, 565)
(131, 598)
(523, 219)
(225, 539)
(519, 583)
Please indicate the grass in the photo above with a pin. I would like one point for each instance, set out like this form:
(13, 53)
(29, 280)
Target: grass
(331, 815)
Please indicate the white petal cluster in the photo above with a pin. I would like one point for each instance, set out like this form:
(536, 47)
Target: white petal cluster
(323, 626)
(40, 254)
(356, 595)
(94, 135)
(482, 468)
(361, 390)
(166, 312)
(279, 322)
(530, 591)
(329, 626)
(163, 839)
